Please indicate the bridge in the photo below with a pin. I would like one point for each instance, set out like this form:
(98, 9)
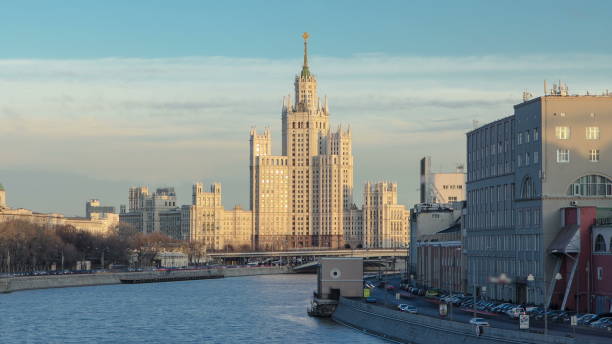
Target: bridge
(304, 256)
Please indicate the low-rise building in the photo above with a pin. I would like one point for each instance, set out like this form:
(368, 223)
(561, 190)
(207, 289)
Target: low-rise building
(583, 254)
(441, 263)
(429, 219)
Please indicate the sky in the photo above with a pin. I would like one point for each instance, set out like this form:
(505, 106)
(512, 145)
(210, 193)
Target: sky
(97, 96)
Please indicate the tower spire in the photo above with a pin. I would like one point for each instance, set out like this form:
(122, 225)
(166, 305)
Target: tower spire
(305, 70)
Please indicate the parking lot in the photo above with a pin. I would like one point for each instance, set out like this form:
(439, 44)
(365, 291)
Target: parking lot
(430, 306)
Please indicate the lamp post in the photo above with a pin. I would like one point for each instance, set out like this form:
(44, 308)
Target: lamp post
(531, 278)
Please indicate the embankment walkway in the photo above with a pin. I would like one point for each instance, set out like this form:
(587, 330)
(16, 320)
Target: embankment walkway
(12, 284)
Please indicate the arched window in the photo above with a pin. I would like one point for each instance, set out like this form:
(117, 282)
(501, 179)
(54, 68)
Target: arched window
(600, 244)
(527, 189)
(592, 185)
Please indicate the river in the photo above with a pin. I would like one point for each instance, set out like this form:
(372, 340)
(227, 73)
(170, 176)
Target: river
(257, 309)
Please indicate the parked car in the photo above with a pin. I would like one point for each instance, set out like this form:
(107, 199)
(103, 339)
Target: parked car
(432, 293)
(586, 319)
(515, 312)
(479, 322)
(602, 323)
(371, 299)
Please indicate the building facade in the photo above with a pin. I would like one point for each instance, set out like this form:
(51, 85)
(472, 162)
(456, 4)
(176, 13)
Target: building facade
(303, 197)
(522, 170)
(441, 187)
(97, 223)
(207, 222)
(385, 223)
(2, 197)
(157, 212)
(94, 206)
(441, 263)
(428, 220)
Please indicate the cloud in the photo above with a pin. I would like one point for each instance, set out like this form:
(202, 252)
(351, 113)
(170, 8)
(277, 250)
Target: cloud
(179, 120)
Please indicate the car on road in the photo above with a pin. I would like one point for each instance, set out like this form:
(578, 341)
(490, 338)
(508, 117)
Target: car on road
(479, 322)
(390, 288)
(371, 299)
(410, 309)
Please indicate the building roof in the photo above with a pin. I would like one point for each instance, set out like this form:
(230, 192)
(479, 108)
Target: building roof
(454, 228)
(567, 241)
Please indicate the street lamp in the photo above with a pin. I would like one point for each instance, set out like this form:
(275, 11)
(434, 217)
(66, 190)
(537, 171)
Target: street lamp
(531, 278)
(503, 279)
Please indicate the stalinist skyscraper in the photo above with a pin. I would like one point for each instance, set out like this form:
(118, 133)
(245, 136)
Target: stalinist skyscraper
(302, 197)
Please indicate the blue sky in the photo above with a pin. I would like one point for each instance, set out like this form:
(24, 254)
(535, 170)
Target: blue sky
(96, 96)
(90, 29)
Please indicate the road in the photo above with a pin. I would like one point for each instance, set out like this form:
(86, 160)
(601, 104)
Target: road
(500, 321)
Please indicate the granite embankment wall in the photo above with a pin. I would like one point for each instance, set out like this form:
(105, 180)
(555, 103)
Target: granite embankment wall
(421, 329)
(8, 285)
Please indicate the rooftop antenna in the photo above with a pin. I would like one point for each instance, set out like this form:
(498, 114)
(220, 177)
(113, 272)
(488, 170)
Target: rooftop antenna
(545, 88)
(475, 123)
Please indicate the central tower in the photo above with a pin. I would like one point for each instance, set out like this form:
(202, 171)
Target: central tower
(299, 198)
(305, 123)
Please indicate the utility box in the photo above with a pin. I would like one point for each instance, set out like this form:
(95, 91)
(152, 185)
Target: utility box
(340, 277)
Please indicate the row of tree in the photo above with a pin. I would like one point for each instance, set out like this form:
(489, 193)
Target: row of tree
(28, 247)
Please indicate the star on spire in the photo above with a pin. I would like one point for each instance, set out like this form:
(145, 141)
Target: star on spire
(305, 70)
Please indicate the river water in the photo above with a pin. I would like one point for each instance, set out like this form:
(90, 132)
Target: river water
(256, 309)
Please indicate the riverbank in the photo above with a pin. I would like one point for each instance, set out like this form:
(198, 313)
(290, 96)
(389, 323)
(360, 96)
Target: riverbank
(420, 329)
(12, 284)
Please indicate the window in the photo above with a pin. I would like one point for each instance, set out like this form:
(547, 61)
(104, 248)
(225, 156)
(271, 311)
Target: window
(518, 160)
(592, 133)
(563, 155)
(527, 159)
(591, 185)
(599, 273)
(536, 134)
(562, 133)
(594, 155)
(600, 244)
(527, 190)
(527, 137)
(535, 157)
(520, 138)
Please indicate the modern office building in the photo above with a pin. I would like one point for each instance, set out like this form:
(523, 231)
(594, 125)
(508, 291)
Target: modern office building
(441, 187)
(552, 153)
